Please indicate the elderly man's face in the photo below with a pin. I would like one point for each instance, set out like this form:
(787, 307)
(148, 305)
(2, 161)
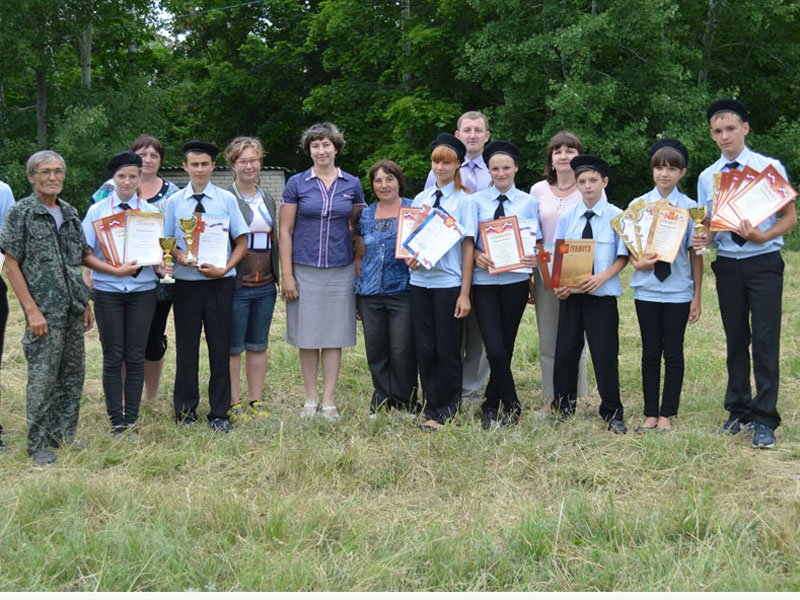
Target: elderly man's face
(48, 178)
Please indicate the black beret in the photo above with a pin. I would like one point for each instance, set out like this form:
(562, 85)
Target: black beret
(124, 159)
(670, 143)
(500, 147)
(593, 162)
(452, 142)
(728, 104)
(200, 146)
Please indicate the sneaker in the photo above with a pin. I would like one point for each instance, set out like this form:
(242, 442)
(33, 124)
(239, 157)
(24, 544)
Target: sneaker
(730, 427)
(2, 443)
(187, 419)
(617, 426)
(236, 412)
(330, 412)
(309, 409)
(763, 436)
(220, 425)
(489, 419)
(258, 409)
(43, 457)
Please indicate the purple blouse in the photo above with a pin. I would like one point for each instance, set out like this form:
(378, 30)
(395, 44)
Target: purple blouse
(322, 225)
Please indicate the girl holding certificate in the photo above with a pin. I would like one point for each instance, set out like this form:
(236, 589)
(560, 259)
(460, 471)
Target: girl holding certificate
(124, 301)
(440, 295)
(500, 298)
(667, 295)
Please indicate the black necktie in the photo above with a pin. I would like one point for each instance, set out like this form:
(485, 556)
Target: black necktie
(500, 212)
(438, 194)
(587, 231)
(199, 208)
(124, 206)
(733, 166)
(662, 270)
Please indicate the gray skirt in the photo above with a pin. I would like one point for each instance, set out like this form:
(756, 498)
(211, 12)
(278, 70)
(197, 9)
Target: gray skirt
(324, 314)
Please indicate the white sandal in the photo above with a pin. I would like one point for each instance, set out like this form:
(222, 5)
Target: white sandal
(330, 412)
(309, 409)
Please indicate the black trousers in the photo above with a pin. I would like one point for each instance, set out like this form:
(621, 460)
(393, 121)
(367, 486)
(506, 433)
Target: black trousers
(437, 335)
(156, 338)
(750, 293)
(3, 320)
(598, 318)
(391, 355)
(499, 310)
(123, 321)
(662, 325)
(202, 305)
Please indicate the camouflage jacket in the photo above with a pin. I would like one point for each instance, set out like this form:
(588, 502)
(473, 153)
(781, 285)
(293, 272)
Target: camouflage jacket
(50, 260)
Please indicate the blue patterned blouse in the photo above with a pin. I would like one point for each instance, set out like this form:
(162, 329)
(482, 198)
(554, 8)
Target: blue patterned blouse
(381, 273)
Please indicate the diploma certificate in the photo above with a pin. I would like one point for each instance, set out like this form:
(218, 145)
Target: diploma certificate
(667, 233)
(574, 261)
(768, 194)
(142, 232)
(544, 259)
(527, 231)
(211, 239)
(502, 243)
(432, 238)
(406, 223)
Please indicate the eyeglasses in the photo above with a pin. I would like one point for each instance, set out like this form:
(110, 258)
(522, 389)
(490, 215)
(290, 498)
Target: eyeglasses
(49, 172)
(245, 163)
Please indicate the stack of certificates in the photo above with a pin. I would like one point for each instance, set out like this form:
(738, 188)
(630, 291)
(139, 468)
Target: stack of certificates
(426, 233)
(130, 235)
(652, 228)
(748, 195)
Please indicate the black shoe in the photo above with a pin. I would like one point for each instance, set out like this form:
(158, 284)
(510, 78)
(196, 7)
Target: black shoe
(617, 426)
(730, 427)
(43, 457)
(489, 419)
(565, 406)
(186, 418)
(220, 425)
(510, 419)
(763, 436)
(2, 443)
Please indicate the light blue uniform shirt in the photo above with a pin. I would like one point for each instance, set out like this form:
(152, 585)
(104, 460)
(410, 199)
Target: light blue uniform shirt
(6, 202)
(104, 282)
(215, 202)
(447, 272)
(679, 286)
(607, 244)
(482, 176)
(726, 247)
(524, 206)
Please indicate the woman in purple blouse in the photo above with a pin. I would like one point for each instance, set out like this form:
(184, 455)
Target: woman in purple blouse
(318, 209)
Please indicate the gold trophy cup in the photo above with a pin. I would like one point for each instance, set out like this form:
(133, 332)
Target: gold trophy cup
(188, 226)
(698, 215)
(167, 245)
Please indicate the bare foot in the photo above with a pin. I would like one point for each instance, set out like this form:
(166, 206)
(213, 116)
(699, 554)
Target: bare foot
(664, 424)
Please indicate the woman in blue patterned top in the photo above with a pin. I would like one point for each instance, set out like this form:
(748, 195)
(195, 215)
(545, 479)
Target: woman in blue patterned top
(382, 294)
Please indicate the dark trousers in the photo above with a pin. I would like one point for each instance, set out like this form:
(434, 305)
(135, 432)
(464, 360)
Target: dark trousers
(438, 334)
(3, 321)
(202, 305)
(750, 292)
(391, 355)
(662, 325)
(123, 321)
(596, 317)
(156, 338)
(499, 309)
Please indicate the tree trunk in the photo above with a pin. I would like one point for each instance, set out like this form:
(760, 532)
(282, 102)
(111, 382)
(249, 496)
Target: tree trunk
(41, 108)
(707, 42)
(85, 47)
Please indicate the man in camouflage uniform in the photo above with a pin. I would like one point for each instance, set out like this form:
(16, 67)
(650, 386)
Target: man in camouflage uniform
(44, 247)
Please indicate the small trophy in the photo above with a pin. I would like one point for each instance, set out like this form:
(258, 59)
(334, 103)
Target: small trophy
(698, 214)
(188, 226)
(167, 245)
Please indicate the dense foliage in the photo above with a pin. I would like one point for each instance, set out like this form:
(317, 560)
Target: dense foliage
(86, 76)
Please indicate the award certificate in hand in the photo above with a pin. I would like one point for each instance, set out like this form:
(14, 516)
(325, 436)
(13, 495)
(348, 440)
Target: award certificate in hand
(574, 260)
(406, 223)
(667, 233)
(502, 243)
(768, 194)
(527, 231)
(211, 239)
(142, 232)
(432, 238)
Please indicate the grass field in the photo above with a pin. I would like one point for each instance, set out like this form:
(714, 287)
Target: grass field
(359, 504)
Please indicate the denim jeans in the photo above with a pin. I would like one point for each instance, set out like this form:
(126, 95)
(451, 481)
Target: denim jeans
(252, 317)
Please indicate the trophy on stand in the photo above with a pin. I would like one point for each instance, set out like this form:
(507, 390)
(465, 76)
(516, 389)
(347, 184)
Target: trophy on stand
(188, 226)
(698, 215)
(167, 245)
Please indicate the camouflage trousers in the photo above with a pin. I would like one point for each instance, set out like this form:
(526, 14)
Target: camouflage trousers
(55, 383)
